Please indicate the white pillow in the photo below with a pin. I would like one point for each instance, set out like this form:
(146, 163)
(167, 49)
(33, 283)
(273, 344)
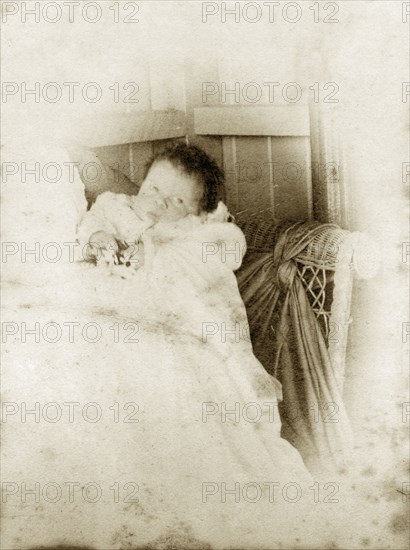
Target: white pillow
(43, 201)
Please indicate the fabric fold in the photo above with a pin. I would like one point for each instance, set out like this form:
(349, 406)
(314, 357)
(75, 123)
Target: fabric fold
(288, 341)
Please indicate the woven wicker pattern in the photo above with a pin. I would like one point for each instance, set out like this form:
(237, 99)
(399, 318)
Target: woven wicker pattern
(315, 264)
(322, 252)
(324, 249)
(260, 236)
(326, 267)
(315, 282)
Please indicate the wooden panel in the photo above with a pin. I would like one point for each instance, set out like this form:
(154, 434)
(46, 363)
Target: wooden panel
(291, 163)
(212, 145)
(139, 155)
(231, 181)
(116, 156)
(129, 159)
(268, 177)
(252, 170)
(237, 120)
(103, 169)
(131, 128)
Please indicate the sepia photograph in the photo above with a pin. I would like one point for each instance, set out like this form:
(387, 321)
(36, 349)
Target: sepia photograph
(205, 251)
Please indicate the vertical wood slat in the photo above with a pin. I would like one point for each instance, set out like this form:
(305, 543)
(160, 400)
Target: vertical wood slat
(325, 158)
(271, 173)
(344, 188)
(319, 191)
(308, 179)
(229, 161)
(329, 184)
(253, 178)
(235, 162)
(268, 177)
(292, 178)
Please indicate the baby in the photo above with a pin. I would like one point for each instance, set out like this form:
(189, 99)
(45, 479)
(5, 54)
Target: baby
(178, 182)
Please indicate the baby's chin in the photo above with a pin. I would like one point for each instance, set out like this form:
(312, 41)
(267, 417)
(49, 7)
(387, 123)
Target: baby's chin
(171, 218)
(167, 217)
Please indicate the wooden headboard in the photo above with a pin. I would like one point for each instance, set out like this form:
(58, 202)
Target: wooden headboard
(267, 158)
(264, 151)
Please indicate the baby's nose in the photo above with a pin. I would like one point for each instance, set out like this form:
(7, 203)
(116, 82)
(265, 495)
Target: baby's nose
(162, 202)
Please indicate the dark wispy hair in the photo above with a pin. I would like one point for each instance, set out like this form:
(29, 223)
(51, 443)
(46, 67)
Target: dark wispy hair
(193, 161)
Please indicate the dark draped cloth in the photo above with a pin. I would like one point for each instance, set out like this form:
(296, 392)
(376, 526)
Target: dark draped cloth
(289, 342)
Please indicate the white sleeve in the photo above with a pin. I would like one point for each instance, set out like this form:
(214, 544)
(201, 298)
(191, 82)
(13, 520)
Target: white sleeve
(223, 244)
(114, 214)
(213, 247)
(96, 219)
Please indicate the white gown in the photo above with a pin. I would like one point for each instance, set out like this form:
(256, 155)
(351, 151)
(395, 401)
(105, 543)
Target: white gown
(153, 406)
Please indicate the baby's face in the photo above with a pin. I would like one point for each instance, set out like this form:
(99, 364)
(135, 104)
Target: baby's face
(169, 194)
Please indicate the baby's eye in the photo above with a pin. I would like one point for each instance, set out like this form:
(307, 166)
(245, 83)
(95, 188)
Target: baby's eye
(179, 201)
(155, 188)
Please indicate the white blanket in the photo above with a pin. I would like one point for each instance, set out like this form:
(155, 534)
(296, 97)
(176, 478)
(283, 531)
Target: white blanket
(152, 419)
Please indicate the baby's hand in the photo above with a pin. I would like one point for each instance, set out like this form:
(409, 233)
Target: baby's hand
(103, 247)
(133, 255)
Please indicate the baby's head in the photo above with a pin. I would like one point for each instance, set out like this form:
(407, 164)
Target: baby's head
(182, 180)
